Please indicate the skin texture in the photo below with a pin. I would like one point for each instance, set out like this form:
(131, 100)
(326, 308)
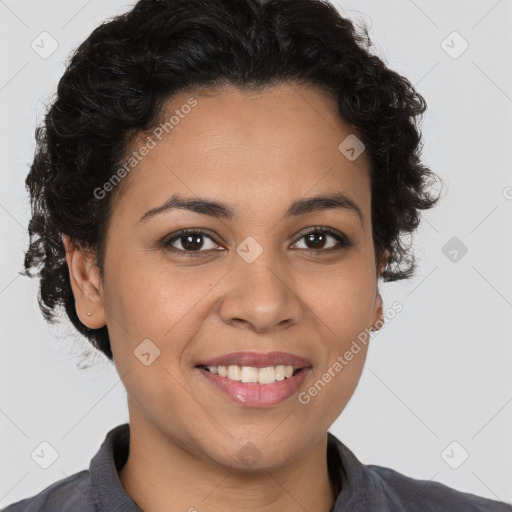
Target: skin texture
(257, 152)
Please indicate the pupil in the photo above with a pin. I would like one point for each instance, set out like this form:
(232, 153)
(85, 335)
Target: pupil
(189, 240)
(317, 239)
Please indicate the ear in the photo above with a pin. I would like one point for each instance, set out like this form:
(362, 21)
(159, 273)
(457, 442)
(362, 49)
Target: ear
(383, 262)
(86, 285)
(378, 316)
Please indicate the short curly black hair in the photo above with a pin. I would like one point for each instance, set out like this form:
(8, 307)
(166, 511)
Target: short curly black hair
(118, 80)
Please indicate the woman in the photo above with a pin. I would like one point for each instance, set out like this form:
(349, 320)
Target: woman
(217, 190)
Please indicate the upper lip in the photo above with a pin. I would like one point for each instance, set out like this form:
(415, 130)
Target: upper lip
(257, 360)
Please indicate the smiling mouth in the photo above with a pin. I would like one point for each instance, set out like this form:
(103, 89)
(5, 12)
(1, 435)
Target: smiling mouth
(253, 375)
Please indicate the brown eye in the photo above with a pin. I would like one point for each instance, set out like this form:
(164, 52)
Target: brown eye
(317, 239)
(190, 241)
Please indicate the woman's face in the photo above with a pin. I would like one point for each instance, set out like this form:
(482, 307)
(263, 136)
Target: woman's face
(253, 283)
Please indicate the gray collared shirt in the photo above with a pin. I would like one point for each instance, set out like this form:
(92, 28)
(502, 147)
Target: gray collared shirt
(367, 488)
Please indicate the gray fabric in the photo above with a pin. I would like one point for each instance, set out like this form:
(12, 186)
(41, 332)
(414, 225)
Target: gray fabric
(367, 488)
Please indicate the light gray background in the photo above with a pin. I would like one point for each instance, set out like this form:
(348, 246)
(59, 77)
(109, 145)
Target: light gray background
(439, 372)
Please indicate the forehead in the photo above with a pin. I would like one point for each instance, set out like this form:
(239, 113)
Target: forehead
(249, 148)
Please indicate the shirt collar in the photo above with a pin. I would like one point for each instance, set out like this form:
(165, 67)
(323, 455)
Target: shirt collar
(107, 490)
(358, 491)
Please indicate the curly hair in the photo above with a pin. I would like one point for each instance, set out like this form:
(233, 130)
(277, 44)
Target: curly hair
(117, 82)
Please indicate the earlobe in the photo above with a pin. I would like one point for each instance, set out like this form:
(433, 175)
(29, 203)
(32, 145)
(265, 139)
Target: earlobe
(86, 284)
(378, 321)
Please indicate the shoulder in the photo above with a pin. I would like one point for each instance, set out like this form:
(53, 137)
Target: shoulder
(426, 495)
(372, 488)
(70, 493)
(97, 488)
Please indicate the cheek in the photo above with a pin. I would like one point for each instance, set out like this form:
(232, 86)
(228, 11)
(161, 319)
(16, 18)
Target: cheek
(167, 308)
(343, 299)
(150, 296)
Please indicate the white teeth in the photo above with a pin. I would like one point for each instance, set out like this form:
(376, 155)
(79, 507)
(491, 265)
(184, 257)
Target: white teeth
(267, 375)
(280, 372)
(249, 374)
(234, 372)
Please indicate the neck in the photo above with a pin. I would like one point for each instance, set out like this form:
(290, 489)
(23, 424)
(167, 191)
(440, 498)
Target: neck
(160, 473)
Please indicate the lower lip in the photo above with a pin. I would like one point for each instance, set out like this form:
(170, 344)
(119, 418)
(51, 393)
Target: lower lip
(256, 395)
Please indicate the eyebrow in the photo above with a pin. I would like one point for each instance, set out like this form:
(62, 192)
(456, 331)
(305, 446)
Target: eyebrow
(221, 210)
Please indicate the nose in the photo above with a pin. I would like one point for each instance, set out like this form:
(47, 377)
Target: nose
(260, 297)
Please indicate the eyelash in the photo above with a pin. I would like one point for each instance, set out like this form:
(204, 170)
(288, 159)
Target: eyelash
(343, 241)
